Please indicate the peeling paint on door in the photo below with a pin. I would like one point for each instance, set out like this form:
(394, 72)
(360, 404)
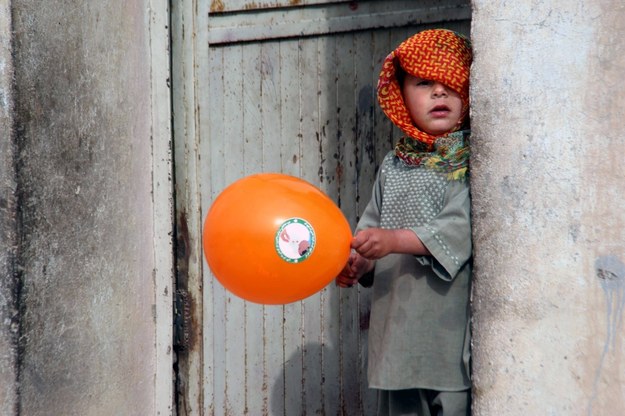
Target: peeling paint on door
(271, 91)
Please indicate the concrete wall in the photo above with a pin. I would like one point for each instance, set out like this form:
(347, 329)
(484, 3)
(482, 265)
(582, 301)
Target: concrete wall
(548, 188)
(86, 125)
(8, 224)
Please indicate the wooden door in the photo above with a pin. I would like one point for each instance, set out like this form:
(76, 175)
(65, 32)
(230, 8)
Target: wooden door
(284, 87)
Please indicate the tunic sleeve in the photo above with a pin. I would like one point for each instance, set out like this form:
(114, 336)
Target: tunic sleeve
(448, 235)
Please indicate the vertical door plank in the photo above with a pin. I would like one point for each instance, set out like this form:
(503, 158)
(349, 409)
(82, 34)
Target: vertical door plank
(198, 359)
(291, 154)
(215, 316)
(205, 66)
(290, 111)
(382, 127)
(310, 162)
(365, 99)
(272, 342)
(234, 169)
(327, 128)
(273, 350)
(347, 190)
(253, 144)
(270, 74)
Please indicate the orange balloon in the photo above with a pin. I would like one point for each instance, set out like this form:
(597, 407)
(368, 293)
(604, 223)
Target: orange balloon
(274, 239)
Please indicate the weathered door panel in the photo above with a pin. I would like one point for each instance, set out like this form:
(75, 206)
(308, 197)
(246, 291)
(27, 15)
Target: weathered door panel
(300, 105)
(250, 5)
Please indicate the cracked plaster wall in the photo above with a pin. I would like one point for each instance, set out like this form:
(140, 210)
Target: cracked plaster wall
(549, 224)
(81, 114)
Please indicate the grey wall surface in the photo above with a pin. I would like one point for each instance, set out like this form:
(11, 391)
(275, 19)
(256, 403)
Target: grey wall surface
(84, 118)
(549, 229)
(8, 224)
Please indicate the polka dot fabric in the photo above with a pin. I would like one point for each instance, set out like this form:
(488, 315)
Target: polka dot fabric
(421, 189)
(439, 55)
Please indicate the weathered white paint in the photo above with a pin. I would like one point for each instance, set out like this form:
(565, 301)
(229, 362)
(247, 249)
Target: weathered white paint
(195, 363)
(303, 106)
(92, 158)
(157, 24)
(217, 6)
(271, 23)
(547, 112)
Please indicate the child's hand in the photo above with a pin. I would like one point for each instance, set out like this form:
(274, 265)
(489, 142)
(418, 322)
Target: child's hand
(355, 268)
(374, 243)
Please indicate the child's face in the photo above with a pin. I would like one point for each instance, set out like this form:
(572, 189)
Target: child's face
(435, 108)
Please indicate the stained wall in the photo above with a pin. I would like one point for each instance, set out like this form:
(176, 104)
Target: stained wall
(82, 132)
(8, 225)
(549, 224)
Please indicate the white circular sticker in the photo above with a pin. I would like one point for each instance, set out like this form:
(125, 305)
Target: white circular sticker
(295, 240)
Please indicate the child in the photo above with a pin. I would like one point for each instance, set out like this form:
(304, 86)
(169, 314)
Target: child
(415, 233)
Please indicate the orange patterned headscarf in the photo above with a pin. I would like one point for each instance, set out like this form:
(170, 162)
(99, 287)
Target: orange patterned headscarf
(438, 55)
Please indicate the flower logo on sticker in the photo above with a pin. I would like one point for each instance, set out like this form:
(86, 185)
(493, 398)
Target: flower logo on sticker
(295, 240)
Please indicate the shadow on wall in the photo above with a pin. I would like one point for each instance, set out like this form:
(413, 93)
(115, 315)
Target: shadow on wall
(281, 402)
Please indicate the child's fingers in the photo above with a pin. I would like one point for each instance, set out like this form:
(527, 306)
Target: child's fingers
(347, 269)
(344, 280)
(359, 239)
(365, 245)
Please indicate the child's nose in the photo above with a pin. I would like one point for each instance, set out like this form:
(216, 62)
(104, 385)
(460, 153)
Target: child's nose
(439, 89)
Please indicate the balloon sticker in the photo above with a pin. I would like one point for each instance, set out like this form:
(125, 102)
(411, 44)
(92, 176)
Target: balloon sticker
(295, 240)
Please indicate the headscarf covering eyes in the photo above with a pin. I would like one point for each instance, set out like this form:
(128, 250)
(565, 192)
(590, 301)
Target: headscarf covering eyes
(438, 55)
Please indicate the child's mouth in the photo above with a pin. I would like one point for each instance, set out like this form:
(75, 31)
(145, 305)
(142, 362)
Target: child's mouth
(440, 111)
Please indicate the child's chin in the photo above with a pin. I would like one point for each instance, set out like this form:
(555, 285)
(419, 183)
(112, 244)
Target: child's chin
(439, 133)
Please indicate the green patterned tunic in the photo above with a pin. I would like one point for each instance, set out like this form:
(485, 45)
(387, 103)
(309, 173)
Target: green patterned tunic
(419, 327)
